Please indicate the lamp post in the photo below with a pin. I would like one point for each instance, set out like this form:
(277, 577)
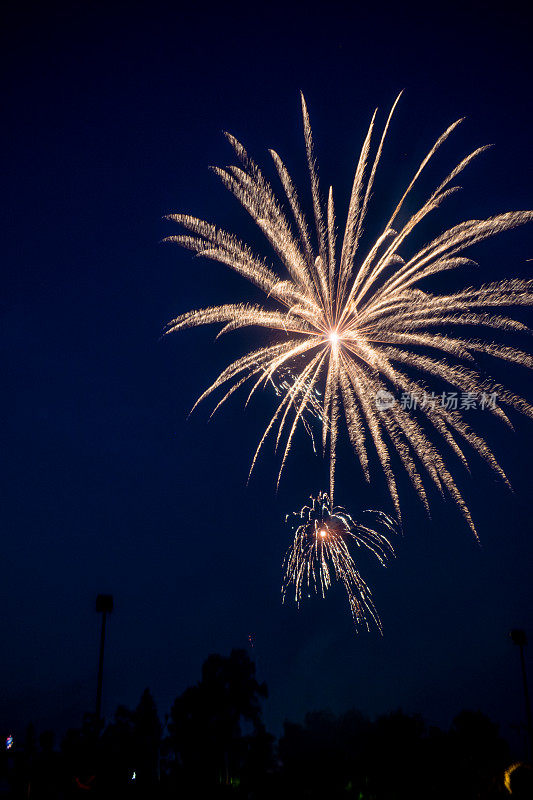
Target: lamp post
(519, 638)
(104, 606)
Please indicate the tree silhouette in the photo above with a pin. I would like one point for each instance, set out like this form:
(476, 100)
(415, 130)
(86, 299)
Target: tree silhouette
(324, 756)
(146, 746)
(217, 745)
(122, 760)
(394, 758)
(479, 755)
(215, 728)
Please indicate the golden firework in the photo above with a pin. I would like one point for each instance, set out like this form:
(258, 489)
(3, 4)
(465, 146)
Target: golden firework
(320, 552)
(357, 324)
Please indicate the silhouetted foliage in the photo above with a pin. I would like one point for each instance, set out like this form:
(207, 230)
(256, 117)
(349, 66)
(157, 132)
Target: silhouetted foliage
(215, 730)
(324, 756)
(147, 743)
(129, 750)
(81, 754)
(479, 755)
(394, 758)
(216, 745)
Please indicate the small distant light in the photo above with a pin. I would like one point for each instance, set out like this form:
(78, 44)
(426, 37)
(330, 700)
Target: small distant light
(134, 776)
(9, 742)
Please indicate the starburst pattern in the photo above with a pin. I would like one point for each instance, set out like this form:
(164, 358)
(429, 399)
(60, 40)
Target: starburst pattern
(356, 322)
(320, 552)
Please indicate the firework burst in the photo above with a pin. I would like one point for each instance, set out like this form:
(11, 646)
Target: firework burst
(320, 553)
(356, 323)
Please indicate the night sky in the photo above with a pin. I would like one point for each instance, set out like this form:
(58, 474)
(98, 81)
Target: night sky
(112, 114)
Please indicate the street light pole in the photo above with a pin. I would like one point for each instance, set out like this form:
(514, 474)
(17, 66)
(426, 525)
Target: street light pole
(519, 638)
(104, 606)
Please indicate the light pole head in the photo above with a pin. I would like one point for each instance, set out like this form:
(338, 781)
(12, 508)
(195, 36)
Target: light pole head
(519, 637)
(104, 603)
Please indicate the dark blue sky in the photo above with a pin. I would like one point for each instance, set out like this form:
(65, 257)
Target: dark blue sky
(111, 115)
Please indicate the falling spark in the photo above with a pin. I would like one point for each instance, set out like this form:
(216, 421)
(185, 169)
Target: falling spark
(352, 323)
(283, 381)
(320, 552)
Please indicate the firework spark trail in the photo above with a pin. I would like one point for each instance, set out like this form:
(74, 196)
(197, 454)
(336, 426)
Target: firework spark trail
(348, 323)
(283, 381)
(320, 553)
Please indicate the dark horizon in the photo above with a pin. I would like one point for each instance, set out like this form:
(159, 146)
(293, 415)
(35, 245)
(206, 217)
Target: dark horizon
(113, 115)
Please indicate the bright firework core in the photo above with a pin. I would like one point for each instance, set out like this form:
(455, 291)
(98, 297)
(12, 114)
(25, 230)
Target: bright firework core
(333, 337)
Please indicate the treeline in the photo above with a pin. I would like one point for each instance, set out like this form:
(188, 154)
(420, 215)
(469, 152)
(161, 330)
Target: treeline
(214, 744)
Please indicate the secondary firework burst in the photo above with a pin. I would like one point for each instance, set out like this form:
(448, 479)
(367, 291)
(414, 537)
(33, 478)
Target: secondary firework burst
(357, 320)
(320, 553)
